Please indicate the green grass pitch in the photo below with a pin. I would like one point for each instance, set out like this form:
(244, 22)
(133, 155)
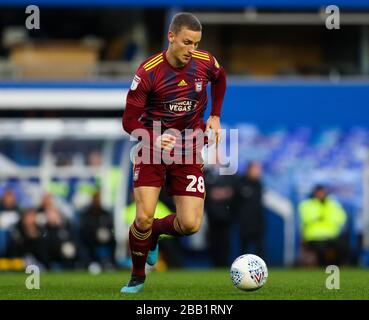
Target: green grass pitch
(215, 284)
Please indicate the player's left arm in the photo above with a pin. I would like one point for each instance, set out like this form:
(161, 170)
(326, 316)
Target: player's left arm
(218, 87)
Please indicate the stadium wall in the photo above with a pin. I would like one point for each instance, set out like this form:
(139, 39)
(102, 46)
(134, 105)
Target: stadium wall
(296, 103)
(267, 104)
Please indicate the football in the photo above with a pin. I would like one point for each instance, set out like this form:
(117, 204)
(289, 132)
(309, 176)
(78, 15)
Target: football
(249, 272)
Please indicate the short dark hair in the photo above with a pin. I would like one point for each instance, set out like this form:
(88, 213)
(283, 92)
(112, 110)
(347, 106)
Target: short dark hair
(184, 19)
(317, 188)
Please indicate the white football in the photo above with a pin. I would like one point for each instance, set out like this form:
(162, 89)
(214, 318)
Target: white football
(249, 272)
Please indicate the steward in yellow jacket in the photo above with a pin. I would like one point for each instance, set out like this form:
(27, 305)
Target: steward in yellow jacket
(322, 218)
(322, 221)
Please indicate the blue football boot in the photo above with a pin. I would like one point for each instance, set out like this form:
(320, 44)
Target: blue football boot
(134, 285)
(152, 256)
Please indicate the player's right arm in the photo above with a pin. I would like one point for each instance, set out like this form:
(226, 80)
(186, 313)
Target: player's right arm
(135, 104)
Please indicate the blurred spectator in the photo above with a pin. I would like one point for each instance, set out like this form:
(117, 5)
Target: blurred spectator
(323, 239)
(60, 240)
(9, 202)
(94, 159)
(96, 232)
(28, 239)
(50, 202)
(9, 210)
(220, 193)
(47, 202)
(249, 209)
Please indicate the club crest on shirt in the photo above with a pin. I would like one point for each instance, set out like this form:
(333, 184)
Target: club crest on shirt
(135, 82)
(136, 172)
(198, 86)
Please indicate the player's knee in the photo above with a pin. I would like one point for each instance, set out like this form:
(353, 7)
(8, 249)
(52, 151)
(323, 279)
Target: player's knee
(143, 220)
(189, 227)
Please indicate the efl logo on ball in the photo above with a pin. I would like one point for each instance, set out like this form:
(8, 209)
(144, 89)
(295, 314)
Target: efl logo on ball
(249, 272)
